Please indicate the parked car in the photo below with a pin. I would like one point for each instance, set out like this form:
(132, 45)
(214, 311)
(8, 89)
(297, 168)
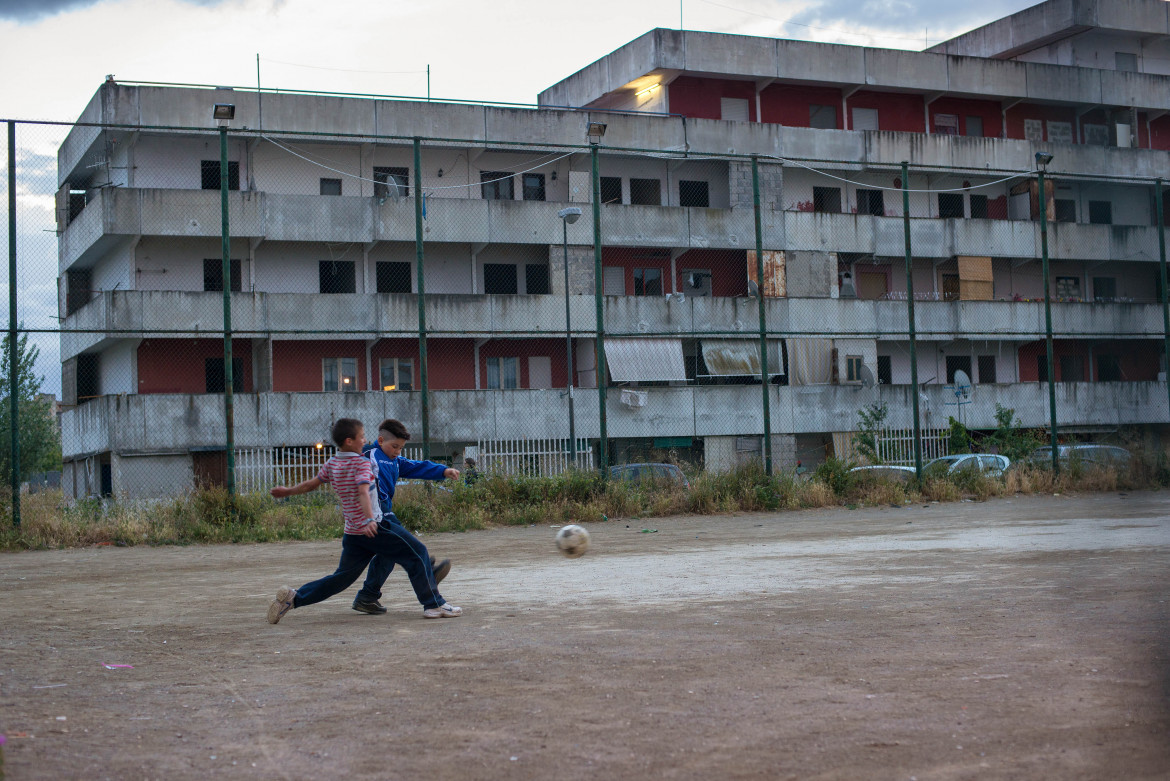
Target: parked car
(1082, 453)
(884, 471)
(636, 473)
(990, 464)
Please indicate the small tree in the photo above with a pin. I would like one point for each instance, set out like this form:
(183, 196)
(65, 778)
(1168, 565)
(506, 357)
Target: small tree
(958, 437)
(38, 435)
(869, 423)
(1010, 438)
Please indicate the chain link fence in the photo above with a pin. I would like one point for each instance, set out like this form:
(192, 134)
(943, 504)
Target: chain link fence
(195, 306)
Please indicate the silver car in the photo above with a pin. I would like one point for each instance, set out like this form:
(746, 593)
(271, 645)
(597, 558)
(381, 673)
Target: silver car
(990, 464)
(1085, 453)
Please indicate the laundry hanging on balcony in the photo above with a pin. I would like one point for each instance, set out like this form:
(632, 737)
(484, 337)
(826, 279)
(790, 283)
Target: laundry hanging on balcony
(740, 357)
(645, 360)
(810, 361)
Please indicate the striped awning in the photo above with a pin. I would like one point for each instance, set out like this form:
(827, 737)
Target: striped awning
(645, 360)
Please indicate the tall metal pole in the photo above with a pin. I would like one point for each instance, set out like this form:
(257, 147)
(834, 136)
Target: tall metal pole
(910, 319)
(600, 345)
(422, 292)
(764, 376)
(229, 411)
(1043, 200)
(1159, 206)
(13, 356)
(569, 351)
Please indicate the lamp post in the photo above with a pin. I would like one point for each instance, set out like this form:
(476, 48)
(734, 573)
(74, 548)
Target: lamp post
(224, 113)
(1042, 161)
(569, 215)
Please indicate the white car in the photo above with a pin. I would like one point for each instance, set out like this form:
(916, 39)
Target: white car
(989, 464)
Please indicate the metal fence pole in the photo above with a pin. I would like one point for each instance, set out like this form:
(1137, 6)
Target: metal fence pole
(600, 346)
(1042, 199)
(763, 321)
(569, 347)
(1161, 217)
(229, 411)
(13, 401)
(910, 319)
(422, 311)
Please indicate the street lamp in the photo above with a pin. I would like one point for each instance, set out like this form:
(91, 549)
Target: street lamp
(569, 215)
(1042, 161)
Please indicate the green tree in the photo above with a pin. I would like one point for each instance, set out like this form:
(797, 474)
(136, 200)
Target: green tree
(1010, 438)
(39, 437)
(869, 424)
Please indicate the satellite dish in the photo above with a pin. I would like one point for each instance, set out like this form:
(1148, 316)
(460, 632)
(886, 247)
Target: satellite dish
(866, 377)
(963, 386)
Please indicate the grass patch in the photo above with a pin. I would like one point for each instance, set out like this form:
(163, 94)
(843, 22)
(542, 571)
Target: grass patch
(209, 516)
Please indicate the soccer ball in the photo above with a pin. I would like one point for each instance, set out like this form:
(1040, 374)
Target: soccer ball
(573, 540)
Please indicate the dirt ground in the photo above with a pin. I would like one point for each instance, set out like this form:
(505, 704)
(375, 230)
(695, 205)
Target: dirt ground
(1014, 639)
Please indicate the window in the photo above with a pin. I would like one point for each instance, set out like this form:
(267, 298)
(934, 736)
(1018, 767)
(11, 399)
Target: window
(77, 201)
(1105, 288)
(499, 278)
(979, 207)
(871, 202)
(693, 194)
(827, 199)
(1068, 287)
(497, 185)
(339, 374)
(956, 363)
(646, 192)
(396, 374)
(331, 187)
(1108, 368)
(951, 287)
(391, 182)
(392, 277)
(987, 368)
(88, 376)
(211, 173)
(734, 109)
(865, 119)
(885, 372)
(950, 206)
(946, 124)
(501, 373)
(337, 276)
(611, 189)
(213, 377)
(647, 281)
(974, 126)
(78, 289)
(536, 279)
(1042, 367)
(822, 117)
(1100, 213)
(1072, 368)
(852, 368)
(1124, 61)
(1065, 210)
(533, 187)
(213, 275)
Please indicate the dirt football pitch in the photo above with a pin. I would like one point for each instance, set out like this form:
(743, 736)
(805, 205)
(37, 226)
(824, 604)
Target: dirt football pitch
(1022, 638)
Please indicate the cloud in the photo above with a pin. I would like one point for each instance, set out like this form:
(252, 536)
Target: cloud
(900, 17)
(25, 11)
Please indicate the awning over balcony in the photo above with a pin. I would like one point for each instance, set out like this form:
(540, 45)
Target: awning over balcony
(740, 357)
(810, 361)
(645, 360)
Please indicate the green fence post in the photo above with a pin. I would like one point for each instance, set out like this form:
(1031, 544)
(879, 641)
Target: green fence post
(1042, 199)
(600, 345)
(229, 410)
(1161, 217)
(763, 320)
(910, 319)
(422, 292)
(13, 401)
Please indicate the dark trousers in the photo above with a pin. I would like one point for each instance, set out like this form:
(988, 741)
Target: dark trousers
(393, 544)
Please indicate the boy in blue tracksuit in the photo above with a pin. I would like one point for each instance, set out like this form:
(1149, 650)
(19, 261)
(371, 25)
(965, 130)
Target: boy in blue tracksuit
(389, 466)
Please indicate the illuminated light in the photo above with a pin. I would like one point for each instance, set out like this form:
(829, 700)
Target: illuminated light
(389, 387)
(647, 91)
(320, 446)
(345, 380)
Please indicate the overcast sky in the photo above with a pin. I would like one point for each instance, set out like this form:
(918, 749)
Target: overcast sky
(55, 54)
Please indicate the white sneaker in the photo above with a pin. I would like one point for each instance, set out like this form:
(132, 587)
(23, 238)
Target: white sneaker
(445, 610)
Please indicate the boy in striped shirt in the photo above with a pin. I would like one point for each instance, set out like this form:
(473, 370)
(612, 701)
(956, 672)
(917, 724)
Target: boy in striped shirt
(355, 483)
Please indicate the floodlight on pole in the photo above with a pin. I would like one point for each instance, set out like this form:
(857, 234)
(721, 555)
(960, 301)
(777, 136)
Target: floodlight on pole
(595, 131)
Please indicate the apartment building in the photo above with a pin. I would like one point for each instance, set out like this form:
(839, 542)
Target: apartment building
(324, 267)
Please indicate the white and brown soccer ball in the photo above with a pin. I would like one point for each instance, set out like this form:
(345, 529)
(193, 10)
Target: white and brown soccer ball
(573, 540)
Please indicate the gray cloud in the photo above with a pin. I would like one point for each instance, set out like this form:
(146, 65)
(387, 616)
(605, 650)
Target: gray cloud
(33, 10)
(902, 17)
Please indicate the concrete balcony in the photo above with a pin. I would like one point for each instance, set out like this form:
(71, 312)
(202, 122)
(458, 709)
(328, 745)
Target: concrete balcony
(135, 314)
(129, 425)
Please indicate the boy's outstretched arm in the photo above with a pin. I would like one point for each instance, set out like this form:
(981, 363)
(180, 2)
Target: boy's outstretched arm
(282, 491)
(451, 473)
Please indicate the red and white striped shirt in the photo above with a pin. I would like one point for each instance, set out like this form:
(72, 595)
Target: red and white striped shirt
(349, 474)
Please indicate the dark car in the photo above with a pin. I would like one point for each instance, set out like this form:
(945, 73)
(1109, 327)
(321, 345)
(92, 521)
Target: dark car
(636, 473)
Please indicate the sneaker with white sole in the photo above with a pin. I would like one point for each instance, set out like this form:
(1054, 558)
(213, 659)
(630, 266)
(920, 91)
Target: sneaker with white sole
(445, 610)
(281, 605)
